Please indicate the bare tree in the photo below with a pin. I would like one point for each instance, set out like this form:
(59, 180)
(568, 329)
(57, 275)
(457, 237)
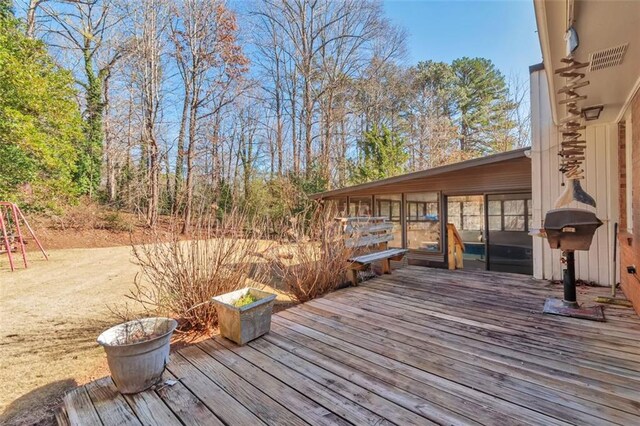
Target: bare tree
(87, 28)
(150, 25)
(31, 17)
(521, 114)
(312, 52)
(204, 36)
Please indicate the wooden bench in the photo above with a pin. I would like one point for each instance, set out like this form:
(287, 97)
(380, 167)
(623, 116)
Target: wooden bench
(366, 233)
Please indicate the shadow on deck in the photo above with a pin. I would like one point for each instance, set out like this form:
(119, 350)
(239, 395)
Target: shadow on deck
(420, 346)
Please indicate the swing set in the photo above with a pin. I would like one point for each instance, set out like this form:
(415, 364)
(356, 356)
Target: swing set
(12, 239)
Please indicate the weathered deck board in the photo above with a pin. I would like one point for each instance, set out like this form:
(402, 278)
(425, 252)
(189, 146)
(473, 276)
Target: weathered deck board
(420, 346)
(287, 396)
(342, 407)
(186, 405)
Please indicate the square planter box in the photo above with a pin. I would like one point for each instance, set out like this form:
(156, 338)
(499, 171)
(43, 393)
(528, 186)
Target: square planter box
(247, 322)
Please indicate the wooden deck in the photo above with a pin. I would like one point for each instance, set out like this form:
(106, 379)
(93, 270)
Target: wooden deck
(420, 346)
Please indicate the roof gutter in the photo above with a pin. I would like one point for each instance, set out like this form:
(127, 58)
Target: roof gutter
(543, 35)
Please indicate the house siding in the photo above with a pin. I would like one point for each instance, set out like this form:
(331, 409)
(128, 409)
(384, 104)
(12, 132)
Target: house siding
(601, 181)
(630, 238)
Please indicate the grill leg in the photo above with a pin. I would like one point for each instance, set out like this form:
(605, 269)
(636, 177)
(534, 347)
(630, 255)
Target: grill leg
(568, 306)
(570, 297)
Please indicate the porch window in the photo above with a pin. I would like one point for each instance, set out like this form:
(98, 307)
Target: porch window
(423, 221)
(338, 205)
(466, 213)
(360, 206)
(510, 215)
(388, 206)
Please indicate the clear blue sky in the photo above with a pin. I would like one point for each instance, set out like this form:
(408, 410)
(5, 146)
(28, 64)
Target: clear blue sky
(503, 31)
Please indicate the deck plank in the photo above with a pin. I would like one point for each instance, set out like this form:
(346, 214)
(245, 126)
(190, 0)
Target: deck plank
(439, 393)
(409, 393)
(186, 406)
(307, 409)
(151, 410)
(474, 294)
(420, 346)
(359, 394)
(251, 397)
(79, 409)
(485, 381)
(536, 329)
(528, 335)
(432, 307)
(434, 377)
(226, 408)
(343, 407)
(469, 299)
(110, 404)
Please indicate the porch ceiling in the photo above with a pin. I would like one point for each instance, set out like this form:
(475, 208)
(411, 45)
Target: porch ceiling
(600, 25)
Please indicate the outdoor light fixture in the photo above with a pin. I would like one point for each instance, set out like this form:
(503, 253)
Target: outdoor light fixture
(592, 112)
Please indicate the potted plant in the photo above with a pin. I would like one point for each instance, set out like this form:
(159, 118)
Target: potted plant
(245, 314)
(137, 352)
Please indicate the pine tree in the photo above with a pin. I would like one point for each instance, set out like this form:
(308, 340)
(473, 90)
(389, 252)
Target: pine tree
(482, 106)
(383, 155)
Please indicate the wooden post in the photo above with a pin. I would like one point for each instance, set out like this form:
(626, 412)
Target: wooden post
(451, 252)
(353, 274)
(459, 264)
(455, 247)
(386, 266)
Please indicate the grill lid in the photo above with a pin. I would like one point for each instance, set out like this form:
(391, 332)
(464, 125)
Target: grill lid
(570, 229)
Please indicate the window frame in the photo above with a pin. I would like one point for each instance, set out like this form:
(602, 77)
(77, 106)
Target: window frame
(462, 215)
(525, 216)
(392, 202)
(362, 198)
(442, 225)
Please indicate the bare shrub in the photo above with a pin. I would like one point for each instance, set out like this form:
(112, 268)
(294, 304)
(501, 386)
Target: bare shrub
(114, 221)
(81, 217)
(315, 260)
(180, 277)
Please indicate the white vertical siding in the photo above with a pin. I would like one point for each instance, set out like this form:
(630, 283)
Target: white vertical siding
(600, 181)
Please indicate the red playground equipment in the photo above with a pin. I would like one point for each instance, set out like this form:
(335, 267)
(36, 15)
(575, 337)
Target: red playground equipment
(12, 239)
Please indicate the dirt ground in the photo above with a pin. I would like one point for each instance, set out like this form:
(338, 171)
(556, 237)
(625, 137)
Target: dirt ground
(52, 313)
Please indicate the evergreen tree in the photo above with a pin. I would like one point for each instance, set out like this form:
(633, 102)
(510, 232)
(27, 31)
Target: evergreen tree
(482, 106)
(383, 154)
(437, 80)
(40, 123)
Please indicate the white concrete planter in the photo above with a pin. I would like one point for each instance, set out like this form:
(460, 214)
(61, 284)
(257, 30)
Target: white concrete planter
(137, 352)
(245, 323)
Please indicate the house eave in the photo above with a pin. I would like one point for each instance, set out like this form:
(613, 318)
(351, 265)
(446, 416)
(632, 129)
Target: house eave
(490, 159)
(543, 35)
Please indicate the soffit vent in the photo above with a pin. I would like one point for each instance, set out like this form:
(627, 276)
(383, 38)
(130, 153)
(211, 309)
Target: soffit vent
(607, 58)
